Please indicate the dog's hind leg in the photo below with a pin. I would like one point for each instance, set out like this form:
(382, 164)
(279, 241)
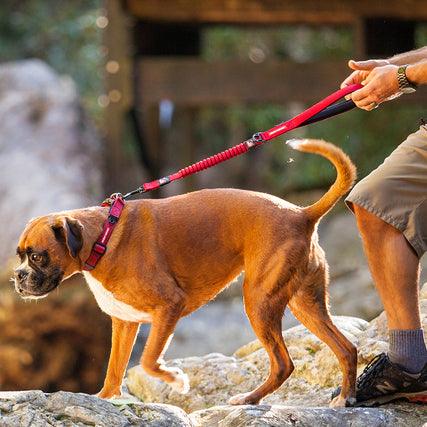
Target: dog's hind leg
(265, 311)
(310, 307)
(161, 332)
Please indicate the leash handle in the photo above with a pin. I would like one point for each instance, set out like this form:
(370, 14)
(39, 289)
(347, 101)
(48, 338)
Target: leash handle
(299, 120)
(332, 110)
(319, 111)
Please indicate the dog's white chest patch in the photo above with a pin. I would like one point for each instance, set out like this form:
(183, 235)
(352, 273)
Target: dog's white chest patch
(112, 306)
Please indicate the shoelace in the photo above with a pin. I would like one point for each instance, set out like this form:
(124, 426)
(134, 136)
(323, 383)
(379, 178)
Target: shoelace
(372, 368)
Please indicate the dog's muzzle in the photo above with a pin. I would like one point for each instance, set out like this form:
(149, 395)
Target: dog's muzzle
(34, 286)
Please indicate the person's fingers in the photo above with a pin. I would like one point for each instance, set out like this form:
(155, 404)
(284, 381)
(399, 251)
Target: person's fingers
(360, 94)
(371, 106)
(363, 65)
(351, 79)
(366, 99)
(366, 104)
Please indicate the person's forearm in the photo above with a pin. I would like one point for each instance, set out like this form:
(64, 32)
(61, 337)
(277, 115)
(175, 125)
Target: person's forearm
(409, 57)
(417, 73)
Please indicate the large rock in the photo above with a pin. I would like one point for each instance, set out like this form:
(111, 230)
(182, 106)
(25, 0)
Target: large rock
(215, 377)
(48, 150)
(49, 161)
(282, 416)
(37, 409)
(63, 409)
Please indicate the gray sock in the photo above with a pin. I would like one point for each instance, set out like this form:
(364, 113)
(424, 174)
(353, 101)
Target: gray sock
(408, 349)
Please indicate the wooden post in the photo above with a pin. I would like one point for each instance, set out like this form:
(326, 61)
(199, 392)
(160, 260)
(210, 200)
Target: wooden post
(122, 170)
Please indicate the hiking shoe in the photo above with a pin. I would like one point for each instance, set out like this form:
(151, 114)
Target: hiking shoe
(383, 381)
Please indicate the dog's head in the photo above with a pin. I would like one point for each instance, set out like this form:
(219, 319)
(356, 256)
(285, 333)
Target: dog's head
(48, 250)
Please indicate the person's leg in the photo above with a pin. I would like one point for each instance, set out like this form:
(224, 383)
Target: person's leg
(390, 206)
(394, 267)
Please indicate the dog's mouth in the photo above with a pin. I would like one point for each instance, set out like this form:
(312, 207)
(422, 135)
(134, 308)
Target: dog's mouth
(32, 295)
(29, 291)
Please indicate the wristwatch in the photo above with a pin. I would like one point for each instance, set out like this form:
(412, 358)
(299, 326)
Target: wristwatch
(405, 86)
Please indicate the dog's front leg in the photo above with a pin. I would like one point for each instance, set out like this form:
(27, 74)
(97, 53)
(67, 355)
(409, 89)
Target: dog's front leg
(122, 341)
(161, 332)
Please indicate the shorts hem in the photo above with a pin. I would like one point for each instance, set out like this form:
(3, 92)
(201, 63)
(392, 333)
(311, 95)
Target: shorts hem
(401, 226)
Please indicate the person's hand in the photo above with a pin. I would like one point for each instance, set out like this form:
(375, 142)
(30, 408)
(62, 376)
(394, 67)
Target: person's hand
(361, 70)
(380, 85)
(380, 80)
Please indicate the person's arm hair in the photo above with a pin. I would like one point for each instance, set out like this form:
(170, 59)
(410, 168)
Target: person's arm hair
(409, 57)
(417, 73)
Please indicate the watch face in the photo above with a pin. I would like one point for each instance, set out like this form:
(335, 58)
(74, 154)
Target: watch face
(407, 90)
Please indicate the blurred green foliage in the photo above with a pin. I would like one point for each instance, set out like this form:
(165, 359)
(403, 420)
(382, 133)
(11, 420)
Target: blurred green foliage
(367, 137)
(62, 33)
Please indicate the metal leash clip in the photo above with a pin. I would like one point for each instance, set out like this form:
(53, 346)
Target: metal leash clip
(110, 200)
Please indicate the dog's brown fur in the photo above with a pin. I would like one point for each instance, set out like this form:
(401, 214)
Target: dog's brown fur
(168, 257)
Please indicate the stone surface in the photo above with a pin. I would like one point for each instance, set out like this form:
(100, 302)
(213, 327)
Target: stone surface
(214, 378)
(48, 151)
(403, 415)
(37, 409)
(34, 408)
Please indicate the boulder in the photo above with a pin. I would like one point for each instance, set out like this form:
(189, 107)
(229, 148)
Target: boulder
(49, 158)
(403, 415)
(34, 408)
(49, 162)
(37, 409)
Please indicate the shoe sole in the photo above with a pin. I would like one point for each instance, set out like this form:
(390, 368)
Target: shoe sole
(420, 397)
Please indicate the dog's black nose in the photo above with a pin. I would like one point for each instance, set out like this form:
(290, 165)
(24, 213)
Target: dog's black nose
(21, 275)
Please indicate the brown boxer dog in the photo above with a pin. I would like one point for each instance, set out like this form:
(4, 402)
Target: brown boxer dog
(168, 257)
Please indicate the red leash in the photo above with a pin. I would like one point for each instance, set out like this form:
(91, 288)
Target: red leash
(322, 110)
(319, 111)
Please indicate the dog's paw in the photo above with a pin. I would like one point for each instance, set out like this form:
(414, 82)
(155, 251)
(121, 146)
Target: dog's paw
(243, 399)
(115, 393)
(342, 402)
(181, 383)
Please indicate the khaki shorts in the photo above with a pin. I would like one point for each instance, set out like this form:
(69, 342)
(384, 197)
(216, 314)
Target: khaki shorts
(396, 191)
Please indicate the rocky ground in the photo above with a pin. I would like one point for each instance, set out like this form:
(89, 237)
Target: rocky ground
(63, 409)
(214, 378)
(301, 401)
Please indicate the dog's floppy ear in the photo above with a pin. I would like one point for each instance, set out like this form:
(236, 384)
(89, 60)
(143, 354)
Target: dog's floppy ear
(69, 231)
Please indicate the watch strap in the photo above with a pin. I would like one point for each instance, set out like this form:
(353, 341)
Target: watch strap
(402, 79)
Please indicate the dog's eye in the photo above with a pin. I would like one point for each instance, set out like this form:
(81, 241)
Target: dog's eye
(35, 257)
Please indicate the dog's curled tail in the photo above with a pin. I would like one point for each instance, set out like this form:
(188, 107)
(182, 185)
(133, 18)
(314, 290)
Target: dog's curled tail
(346, 173)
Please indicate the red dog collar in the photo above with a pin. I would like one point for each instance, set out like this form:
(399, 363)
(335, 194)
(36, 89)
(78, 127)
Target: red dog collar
(100, 246)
